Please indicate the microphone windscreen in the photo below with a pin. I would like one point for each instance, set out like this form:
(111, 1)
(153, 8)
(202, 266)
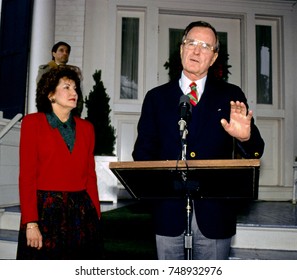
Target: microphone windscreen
(185, 107)
(184, 99)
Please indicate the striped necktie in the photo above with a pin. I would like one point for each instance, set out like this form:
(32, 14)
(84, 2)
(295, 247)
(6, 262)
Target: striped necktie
(193, 94)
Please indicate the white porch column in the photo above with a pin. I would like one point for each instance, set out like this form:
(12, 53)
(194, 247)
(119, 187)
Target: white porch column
(42, 40)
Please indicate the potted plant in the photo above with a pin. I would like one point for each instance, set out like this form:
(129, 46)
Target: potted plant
(98, 113)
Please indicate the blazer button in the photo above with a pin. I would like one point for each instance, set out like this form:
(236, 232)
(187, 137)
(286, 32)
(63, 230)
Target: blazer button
(192, 154)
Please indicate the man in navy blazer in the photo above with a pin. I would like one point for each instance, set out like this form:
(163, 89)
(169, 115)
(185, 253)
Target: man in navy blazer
(219, 122)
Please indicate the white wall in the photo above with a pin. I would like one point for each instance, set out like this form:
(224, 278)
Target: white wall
(9, 164)
(69, 27)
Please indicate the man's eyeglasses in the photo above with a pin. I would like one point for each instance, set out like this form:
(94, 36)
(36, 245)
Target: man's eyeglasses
(191, 44)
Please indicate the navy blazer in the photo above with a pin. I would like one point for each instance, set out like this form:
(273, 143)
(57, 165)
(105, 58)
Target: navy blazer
(159, 139)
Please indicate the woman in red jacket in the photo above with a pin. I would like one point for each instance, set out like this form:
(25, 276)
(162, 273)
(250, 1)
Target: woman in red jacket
(60, 209)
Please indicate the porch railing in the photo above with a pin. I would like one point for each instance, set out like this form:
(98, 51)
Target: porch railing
(10, 124)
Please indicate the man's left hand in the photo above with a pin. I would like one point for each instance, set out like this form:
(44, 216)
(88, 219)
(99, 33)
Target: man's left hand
(240, 121)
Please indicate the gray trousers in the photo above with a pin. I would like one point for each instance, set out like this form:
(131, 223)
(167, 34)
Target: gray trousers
(172, 248)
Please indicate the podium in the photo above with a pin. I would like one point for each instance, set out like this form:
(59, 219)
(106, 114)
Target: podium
(189, 179)
(228, 178)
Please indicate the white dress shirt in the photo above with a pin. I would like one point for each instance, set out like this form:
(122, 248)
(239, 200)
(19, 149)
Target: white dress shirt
(184, 84)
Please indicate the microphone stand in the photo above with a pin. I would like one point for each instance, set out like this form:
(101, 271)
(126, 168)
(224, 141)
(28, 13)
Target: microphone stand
(188, 236)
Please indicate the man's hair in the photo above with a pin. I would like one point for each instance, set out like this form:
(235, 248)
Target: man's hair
(202, 24)
(57, 45)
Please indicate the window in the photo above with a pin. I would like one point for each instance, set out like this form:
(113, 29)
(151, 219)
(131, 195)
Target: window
(129, 80)
(129, 58)
(268, 61)
(264, 67)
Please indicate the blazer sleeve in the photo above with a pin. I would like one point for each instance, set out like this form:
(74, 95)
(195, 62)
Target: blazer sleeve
(254, 147)
(146, 144)
(28, 169)
(92, 188)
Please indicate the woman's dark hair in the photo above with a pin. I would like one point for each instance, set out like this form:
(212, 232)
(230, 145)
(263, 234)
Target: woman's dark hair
(48, 83)
(202, 24)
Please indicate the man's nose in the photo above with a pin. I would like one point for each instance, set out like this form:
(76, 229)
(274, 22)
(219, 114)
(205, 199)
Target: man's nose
(197, 48)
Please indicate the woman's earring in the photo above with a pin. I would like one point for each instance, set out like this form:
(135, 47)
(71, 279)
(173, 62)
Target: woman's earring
(52, 100)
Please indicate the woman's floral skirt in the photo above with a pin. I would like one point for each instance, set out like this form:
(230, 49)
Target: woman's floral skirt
(70, 228)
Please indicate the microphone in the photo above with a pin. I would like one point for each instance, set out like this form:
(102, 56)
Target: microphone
(185, 109)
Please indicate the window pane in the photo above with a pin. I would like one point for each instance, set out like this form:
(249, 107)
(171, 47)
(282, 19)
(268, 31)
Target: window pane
(175, 37)
(173, 64)
(264, 69)
(129, 58)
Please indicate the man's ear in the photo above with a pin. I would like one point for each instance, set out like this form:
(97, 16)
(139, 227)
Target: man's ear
(214, 58)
